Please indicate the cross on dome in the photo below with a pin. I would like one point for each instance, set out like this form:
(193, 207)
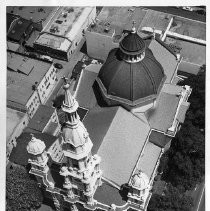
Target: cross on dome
(133, 29)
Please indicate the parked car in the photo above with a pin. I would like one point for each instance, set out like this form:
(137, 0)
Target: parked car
(58, 66)
(187, 8)
(48, 58)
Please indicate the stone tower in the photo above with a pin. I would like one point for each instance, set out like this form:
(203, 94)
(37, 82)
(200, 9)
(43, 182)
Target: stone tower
(81, 172)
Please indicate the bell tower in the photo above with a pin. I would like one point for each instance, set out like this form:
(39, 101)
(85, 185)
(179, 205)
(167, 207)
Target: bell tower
(82, 174)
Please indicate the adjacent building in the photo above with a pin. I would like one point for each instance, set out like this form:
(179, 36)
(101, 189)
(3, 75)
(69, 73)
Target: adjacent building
(29, 82)
(64, 31)
(45, 120)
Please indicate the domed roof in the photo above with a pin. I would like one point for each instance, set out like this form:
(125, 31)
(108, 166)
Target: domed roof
(131, 82)
(75, 135)
(35, 146)
(140, 180)
(132, 43)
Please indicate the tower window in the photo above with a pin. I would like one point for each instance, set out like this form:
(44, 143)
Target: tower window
(75, 163)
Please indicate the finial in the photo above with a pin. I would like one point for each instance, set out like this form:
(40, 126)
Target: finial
(32, 136)
(133, 30)
(153, 33)
(66, 84)
(65, 79)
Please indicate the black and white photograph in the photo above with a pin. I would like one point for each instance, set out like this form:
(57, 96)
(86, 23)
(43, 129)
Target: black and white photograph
(104, 107)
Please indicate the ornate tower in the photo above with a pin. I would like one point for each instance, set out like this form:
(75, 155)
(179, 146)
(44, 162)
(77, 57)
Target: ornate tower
(82, 171)
(39, 157)
(139, 189)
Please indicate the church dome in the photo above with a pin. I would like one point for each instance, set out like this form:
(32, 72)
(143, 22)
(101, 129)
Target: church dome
(132, 44)
(140, 181)
(35, 146)
(131, 83)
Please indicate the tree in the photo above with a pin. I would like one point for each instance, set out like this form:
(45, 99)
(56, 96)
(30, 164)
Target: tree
(22, 192)
(171, 200)
(196, 112)
(186, 158)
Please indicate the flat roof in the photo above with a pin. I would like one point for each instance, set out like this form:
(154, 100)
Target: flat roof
(22, 73)
(13, 119)
(149, 159)
(161, 118)
(108, 195)
(53, 41)
(155, 19)
(117, 19)
(116, 130)
(63, 27)
(34, 13)
(41, 118)
(188, 27)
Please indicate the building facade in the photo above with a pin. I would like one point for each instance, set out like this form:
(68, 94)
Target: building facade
(29, 82)
(138, 110)
(61, 36)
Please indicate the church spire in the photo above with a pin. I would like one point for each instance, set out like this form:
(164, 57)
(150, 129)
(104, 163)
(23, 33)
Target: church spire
(70, 105)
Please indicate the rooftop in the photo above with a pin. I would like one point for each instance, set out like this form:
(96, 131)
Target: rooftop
(63, 27)
(85, 95)
(108, 195)
(117, 19)
(149, 159)
(22, 73)
(165, 58)
(113, 129)
(154, 19)
(13, 119)
(17, 30)
(41, 118)
(166, 107)
(33, 13)
(53, 41)
(19, 154)
(62, 23)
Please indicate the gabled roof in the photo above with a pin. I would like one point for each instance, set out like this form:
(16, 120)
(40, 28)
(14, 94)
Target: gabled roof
(118, 137)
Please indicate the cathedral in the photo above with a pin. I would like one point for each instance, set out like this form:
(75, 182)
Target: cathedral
(108, 160)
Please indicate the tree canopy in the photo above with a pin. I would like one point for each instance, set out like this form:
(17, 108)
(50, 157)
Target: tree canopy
(183, 165)
(171, 200)
(22, 192)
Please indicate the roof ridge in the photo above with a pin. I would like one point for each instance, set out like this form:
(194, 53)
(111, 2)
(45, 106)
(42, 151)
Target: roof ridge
(165, 46)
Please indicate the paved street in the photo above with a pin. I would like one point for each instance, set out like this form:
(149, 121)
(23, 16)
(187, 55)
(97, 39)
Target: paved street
(180, 12)
(65, 71)
(198, 197)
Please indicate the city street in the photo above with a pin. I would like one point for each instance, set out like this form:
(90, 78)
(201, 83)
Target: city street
(198, 195)
(66, 70)
(199, 198)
